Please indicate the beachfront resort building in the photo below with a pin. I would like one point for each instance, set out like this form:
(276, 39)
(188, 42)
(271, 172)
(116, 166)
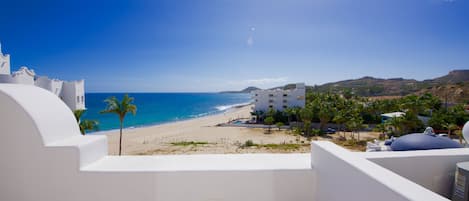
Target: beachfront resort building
(72, 93)
(279, 99)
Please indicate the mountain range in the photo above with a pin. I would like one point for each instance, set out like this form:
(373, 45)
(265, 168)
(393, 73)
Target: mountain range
(453, 87)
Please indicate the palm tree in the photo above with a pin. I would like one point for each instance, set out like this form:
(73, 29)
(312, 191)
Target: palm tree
(340, 118)
(78, 114)
(450, 127)
(289, 112)
(269, 121)
(85, 124)
(121, 108)
(326, 112)
(306, 115)
(88, 125)
(396, 124)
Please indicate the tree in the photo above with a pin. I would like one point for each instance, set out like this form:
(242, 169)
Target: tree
(269, 121)
(450, 127)
(326, 112)
(355, 124)
(396, 124)
(279, 125)
(121, 108)
(340, 118)
(289, 112)
(85, 124)
(381, 128)
(306, 115)
(88, 125)
(78, 114)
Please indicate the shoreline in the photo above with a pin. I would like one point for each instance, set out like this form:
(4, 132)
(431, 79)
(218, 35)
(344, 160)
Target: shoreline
(202, 136)
(230, 109)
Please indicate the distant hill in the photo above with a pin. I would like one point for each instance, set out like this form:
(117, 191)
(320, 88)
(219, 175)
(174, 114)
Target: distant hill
(246, 90)
(454, 77)
(454, 87)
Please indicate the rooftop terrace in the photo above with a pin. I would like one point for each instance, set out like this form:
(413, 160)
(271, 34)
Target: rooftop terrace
(44, 157)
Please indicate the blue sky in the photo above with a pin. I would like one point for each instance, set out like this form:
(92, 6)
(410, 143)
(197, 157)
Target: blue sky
(186, 46)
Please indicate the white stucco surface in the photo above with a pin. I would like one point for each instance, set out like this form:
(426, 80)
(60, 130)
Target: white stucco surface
(211, 162)
(344, 175)
(43, 156)
(4, 63)
(433, 169)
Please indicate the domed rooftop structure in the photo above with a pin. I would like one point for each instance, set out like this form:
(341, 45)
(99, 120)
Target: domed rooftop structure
(423, 141)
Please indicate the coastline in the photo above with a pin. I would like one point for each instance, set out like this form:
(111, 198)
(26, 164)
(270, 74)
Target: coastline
(161, 139)
(230, 108)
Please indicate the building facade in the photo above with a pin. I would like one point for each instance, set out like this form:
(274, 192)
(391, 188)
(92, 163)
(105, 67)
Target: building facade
(72, 93)
(279, 99)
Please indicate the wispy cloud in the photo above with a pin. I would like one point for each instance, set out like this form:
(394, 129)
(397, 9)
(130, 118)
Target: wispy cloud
(260, 81)
(250, 40)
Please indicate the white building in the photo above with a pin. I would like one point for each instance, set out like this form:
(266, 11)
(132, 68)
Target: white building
(279, 99)
(72, 93)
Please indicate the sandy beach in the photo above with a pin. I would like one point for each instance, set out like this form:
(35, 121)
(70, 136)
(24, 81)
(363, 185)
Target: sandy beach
(158, 139)
(172, 138)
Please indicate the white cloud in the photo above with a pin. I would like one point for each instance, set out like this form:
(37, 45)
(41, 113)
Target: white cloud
(250, 41)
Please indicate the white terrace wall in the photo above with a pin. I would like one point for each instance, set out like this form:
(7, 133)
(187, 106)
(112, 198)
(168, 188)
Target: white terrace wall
(44, 157)
(433, 169)
(344, 175)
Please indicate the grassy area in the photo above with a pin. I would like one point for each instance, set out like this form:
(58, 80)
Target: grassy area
(189, 143)
(281, 146)
(352, 144)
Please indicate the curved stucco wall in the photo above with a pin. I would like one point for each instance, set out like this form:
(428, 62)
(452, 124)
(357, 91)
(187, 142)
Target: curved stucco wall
(48, 113)
(44, 157)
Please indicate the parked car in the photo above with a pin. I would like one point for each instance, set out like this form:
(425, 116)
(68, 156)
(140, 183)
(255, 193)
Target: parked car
(330, 131)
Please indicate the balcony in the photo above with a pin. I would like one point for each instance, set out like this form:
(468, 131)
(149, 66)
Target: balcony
(44, 157)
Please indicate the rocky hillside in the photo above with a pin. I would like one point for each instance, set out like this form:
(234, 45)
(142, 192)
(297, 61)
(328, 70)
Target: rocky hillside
(246, 90)
(454, 87)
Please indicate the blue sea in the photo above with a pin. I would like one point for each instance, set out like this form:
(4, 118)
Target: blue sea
(158, 108)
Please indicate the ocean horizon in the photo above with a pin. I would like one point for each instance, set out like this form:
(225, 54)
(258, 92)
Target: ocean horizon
(161, 108)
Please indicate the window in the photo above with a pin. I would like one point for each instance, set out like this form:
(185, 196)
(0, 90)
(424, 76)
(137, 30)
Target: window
(285, 95)
(271, 106)
(256, 100)
(271, 95)
(78, 99)
(285, 107)
(82, 99)
(284, 101)
(256, 94)
(271, 101)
